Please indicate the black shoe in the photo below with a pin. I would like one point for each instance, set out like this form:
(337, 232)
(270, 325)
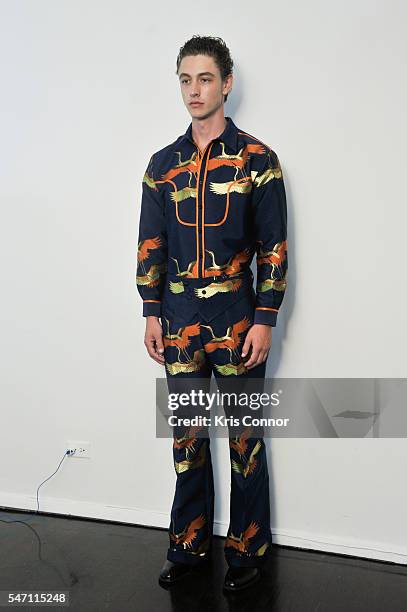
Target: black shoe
(171, 571)
(238, 578)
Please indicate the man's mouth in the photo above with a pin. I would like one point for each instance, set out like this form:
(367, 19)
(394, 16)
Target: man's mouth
(195, 103)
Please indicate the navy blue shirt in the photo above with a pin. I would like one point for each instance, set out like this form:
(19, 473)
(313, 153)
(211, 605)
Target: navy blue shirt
(208, 213)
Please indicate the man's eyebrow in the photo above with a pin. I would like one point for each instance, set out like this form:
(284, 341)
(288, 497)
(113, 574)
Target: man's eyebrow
(199, 74)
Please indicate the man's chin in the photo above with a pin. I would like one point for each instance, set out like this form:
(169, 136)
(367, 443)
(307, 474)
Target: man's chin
(197, 110)
(200, 113)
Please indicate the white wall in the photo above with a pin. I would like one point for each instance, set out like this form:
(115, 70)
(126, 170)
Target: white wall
(88, 92)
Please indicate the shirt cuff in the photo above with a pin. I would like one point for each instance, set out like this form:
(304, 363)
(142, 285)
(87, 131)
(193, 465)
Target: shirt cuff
(151, 308)
(266, 316)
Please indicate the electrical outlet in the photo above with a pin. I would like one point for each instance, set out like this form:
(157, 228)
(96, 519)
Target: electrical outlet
(82, 449)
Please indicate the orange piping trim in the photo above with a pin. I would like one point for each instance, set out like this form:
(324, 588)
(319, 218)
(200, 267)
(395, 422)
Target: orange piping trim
(196, 212)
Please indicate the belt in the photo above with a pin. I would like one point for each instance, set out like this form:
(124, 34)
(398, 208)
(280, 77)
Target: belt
(246, 275)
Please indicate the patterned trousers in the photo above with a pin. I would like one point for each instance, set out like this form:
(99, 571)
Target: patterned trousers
(197, 350)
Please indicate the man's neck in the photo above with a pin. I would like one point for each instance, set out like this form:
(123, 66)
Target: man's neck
(205, 130)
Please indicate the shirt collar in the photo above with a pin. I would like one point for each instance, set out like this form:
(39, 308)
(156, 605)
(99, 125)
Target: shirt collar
(228, 136)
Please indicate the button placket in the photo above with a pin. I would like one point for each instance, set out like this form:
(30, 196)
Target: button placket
(200, 215)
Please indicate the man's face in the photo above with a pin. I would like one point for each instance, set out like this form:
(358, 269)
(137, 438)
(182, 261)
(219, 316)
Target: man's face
(201, 81)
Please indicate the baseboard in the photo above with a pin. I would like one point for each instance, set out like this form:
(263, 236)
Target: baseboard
(329, 543)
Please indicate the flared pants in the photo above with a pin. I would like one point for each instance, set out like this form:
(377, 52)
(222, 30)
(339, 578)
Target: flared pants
(194, 348)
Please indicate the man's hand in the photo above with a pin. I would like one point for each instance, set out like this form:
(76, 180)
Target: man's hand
(259, 339)
(153, 339)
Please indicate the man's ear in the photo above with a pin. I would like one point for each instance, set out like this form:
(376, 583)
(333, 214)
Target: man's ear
(228, 83)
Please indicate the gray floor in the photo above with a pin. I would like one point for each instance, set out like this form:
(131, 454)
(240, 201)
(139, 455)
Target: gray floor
(109, 566)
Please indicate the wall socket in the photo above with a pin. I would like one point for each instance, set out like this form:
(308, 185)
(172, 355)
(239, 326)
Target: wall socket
(82, 449)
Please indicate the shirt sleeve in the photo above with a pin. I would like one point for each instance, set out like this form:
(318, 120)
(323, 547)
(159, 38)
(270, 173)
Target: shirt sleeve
(151, 266)
(270, 229)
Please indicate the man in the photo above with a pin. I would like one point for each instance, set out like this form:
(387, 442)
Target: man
(211, 200)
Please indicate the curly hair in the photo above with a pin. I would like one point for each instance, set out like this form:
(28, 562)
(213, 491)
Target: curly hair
(212, 46)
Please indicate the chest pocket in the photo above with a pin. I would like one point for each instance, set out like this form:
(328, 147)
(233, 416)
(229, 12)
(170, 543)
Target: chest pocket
(220, 195)
(181, 202)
